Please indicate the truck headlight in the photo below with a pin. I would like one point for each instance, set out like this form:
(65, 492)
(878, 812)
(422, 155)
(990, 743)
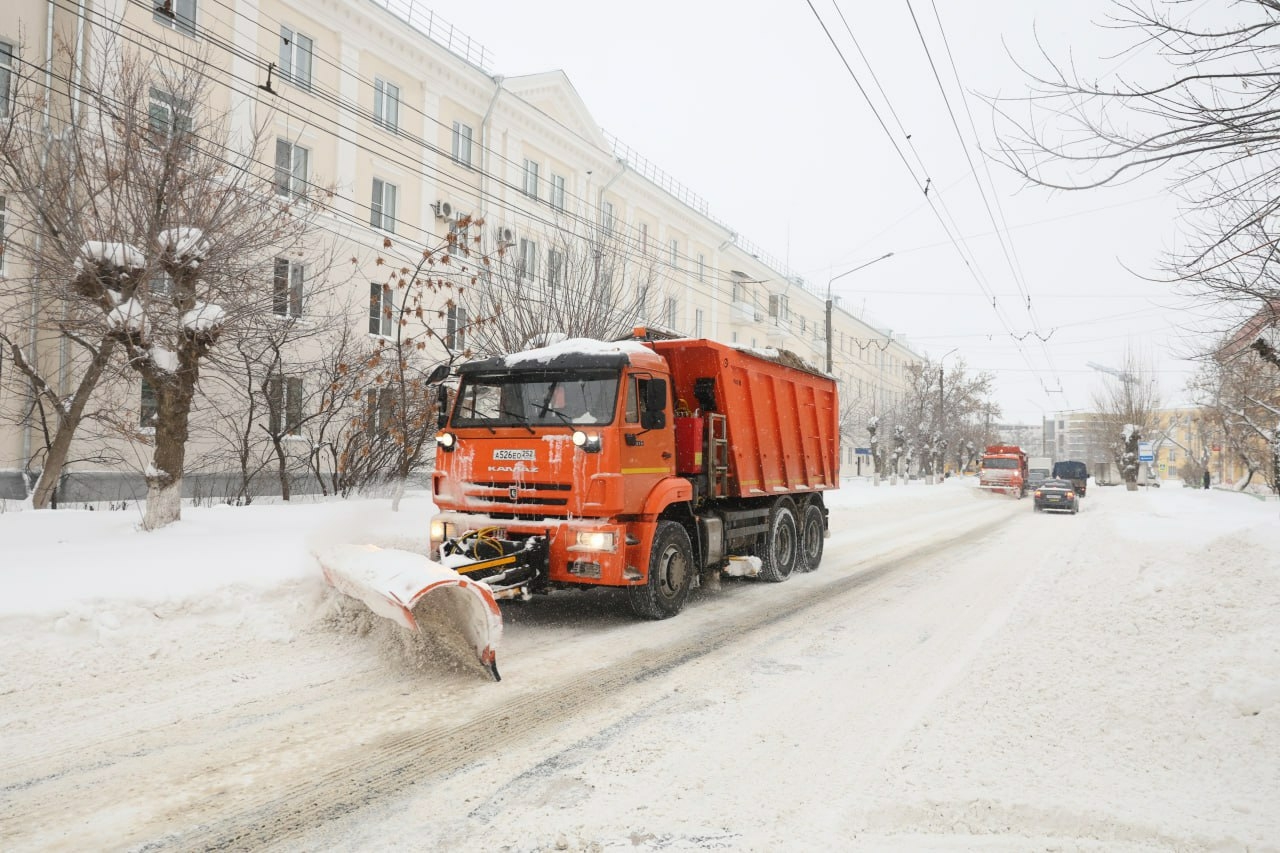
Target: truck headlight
(589, 443)
(595, 540)
(446, 440)
(442, 530)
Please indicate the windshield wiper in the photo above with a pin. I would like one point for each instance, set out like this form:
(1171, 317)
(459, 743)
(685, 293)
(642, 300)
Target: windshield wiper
(521, 419)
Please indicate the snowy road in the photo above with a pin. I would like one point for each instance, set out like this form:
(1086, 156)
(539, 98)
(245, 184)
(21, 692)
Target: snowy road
(938, 684)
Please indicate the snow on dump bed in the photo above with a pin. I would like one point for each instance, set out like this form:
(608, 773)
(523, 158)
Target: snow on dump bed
(585, 346)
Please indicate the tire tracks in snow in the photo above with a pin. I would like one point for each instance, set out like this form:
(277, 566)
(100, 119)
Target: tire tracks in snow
(397, 762)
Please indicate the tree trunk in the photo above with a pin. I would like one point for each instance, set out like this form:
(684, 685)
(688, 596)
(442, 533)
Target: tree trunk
(282, 466)
(68, 422)
(174, 394)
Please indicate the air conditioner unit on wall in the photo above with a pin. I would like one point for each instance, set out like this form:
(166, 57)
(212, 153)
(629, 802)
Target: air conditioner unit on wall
(505, 235)
(443, 209)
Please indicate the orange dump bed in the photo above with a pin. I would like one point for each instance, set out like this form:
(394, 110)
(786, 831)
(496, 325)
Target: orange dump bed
(782, 422)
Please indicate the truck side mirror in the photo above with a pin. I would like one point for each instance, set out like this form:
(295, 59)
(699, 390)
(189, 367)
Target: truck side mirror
(438, 374)
(442, 406)
(655, 395)
(654, 415)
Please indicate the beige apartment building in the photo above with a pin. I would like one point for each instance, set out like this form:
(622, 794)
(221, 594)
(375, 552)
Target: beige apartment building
(418, 137)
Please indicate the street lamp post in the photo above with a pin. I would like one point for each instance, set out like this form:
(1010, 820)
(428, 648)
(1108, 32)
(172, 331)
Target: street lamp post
(829, 301)
(942, 404)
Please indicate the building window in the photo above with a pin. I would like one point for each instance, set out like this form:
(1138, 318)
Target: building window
(179, 14)
(672, 310)
(644, 238)
(380, 410)
(674, 253)
(739, 292)
(527, 263)
(149, 408)
(161, 284)
(557, 192)
(286, 295)
(702, 267)
(458, 237)
(606, 217)
(381, 309)
(462, 144)
(386, 104)
(6, 78)
(284, 404)
(697, 324)
(779, 310)
(3, 217)
(167, 115)
(555, 270)
(382, 208)
(295, 58)
(455, 330)
(531, 179)
(291, 169)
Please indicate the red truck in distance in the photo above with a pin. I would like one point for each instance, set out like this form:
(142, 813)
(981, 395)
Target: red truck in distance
(1004, 470)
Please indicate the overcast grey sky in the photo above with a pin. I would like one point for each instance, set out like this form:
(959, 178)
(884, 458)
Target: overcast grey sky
(751, 107)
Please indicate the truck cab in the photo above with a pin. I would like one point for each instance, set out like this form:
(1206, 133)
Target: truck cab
(564, 449)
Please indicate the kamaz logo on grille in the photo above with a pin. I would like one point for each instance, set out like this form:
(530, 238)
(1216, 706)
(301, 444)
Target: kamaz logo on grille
(521, 455)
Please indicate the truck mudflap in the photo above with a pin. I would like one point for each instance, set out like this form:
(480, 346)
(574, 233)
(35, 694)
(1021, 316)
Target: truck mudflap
(410, 590)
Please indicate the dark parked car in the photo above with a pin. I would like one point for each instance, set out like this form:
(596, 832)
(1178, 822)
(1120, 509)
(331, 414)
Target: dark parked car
(1076, 472)
(1057, 495)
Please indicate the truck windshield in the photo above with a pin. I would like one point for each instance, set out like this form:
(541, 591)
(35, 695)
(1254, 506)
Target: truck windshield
(999, 463)
(537, 398)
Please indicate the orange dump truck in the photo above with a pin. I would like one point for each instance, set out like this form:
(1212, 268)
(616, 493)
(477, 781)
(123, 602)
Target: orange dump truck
(641, 464)
(637, 464)
(1004, 469)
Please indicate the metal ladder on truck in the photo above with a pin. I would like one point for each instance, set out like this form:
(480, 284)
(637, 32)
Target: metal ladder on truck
(718, 453)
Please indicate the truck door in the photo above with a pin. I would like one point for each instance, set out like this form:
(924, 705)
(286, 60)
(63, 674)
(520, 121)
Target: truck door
(648, 446)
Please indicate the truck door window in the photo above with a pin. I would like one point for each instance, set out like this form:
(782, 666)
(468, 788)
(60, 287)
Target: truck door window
(633, 400)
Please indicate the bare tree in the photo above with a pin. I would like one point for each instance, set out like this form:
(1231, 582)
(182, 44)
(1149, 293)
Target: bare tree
(561, 281)
(153, 225)
(1126, 405)
(1237, 390)
(272, 388)
(943, 407)
(1210, 121)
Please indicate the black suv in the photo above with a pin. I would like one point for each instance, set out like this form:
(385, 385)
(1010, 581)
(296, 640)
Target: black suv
(1076, 472)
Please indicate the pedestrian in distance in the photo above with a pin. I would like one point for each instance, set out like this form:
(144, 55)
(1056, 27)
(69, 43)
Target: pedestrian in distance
(1206, 479)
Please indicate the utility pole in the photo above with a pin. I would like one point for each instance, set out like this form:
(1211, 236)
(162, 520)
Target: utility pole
(942, 407)
(830, 302)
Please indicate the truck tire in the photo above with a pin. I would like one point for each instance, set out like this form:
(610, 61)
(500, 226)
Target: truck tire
(781, 543)
(811, 538)
(670, 574)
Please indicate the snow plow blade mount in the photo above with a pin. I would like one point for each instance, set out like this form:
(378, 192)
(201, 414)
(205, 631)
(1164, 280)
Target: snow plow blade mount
(406, 587)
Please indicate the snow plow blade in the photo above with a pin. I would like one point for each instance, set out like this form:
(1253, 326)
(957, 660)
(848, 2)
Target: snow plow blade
(406, 587)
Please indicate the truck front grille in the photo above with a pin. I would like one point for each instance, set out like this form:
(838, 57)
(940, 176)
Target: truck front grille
(525, 494)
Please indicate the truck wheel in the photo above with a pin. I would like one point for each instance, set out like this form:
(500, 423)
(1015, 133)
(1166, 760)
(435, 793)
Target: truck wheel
(670, 574)
(781, 544)
(811, 538)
